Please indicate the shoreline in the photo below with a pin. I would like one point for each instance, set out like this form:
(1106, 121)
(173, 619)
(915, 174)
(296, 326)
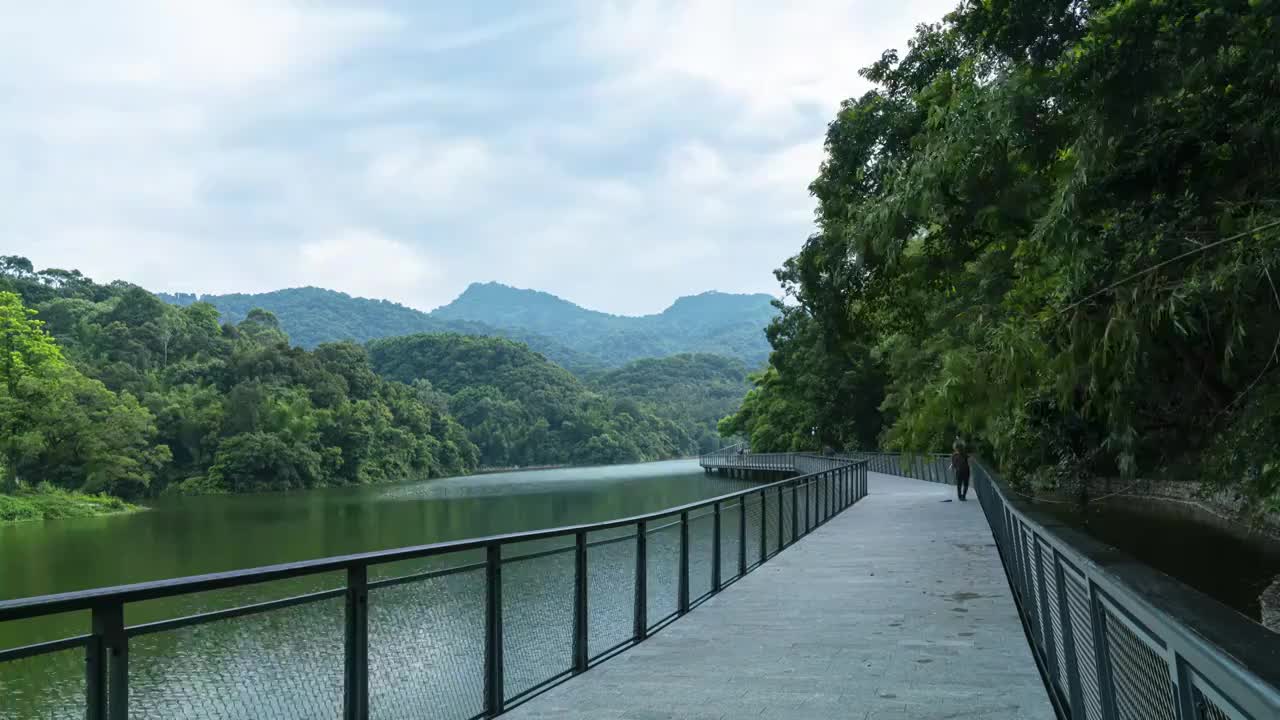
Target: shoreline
(37, 505)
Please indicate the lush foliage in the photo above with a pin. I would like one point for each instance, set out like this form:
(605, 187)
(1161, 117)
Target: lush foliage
(1050, 228)
(157, 397)
(521, 409)
(694, 390)
(47, 502)
(60, 426)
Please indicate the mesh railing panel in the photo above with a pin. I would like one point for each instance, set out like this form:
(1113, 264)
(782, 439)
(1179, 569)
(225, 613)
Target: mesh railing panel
(662, 555)
(611, 592)
(537, 618)
(771, 522)
(426, 648)
(700, 553)
(729, 520)
(1139, 674)
(285, 663)
(1055, 618)
(754, 518)
(1032, 597)
(51, 686)
(1082, 637)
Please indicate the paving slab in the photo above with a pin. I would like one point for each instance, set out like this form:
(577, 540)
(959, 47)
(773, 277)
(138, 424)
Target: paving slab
(897, 608)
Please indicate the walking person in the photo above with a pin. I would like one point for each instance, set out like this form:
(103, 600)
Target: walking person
(960, 464)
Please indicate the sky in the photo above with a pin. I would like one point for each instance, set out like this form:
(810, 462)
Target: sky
(617, 153)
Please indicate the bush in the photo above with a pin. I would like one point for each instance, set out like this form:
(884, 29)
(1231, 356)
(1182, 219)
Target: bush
(52, 503)
(16, 509)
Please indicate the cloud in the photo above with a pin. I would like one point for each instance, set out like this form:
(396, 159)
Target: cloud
(364, 262)
(775, 62)
(616, 152)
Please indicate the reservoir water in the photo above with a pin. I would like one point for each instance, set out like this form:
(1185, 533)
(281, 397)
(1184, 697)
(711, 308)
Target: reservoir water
(288, 663)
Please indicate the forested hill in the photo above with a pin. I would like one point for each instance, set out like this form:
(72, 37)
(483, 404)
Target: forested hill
(520, 409)
(107, 388)
(578, 339)
(722, 323)
(695, 390)
(312, 316)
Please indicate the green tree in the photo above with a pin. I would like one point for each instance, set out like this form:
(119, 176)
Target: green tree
(1050, 226)
(30, 367)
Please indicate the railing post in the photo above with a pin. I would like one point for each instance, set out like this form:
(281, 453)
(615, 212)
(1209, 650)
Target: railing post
(355, 698)
(683, 584)
(795, 512)
(831, 495)
(780, 516)
(580, 602)
(808, 500)
(1186, 700)
(715, 548)
(493, 631)
(763, 546)
(818, 504)
(1102, 664)
(107, 665)
(642, 582)
(742, 535)
(837, 477)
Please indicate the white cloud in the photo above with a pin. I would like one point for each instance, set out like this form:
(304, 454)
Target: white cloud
(186, 48)
(776, 60)
(364, 262)
(431, 177)
(696, 165)
(616, 152)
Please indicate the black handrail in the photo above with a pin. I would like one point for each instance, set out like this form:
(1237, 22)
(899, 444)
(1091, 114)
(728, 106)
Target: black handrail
(842, 483)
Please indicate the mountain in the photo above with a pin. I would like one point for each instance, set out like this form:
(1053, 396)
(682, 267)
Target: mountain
(574, 337)
(715, 322)
(311, 316)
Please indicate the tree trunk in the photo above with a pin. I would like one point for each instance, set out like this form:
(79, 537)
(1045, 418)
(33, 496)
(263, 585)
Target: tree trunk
(10, 477)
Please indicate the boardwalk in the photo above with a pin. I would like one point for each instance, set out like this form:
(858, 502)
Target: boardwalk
(898, 608)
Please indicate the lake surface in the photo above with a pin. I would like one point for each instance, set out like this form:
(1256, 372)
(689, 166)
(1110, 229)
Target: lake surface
(424, 635)
(1211, 555)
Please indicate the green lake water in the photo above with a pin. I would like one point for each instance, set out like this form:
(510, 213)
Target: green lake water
(288, 663)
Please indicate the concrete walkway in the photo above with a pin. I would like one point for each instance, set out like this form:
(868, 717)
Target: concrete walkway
(897, 608)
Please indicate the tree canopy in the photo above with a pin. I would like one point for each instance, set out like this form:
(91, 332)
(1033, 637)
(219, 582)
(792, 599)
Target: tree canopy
(153, 397)
(1050, 228)
(521, 409)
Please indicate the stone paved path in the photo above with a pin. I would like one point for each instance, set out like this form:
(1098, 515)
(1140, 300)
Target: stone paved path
(898, 608)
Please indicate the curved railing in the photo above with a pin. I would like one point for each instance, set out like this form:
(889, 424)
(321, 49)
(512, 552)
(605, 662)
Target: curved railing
(463, 629)
(1115, 639)
(931, 467)
(802, 463)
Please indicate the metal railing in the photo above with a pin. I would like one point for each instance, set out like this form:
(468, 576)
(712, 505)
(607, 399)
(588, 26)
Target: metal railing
(486, 624)
(1115, 639)
(931, 467)
(775, 462)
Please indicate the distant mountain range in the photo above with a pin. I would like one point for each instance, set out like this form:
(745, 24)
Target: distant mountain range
(574, 337)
